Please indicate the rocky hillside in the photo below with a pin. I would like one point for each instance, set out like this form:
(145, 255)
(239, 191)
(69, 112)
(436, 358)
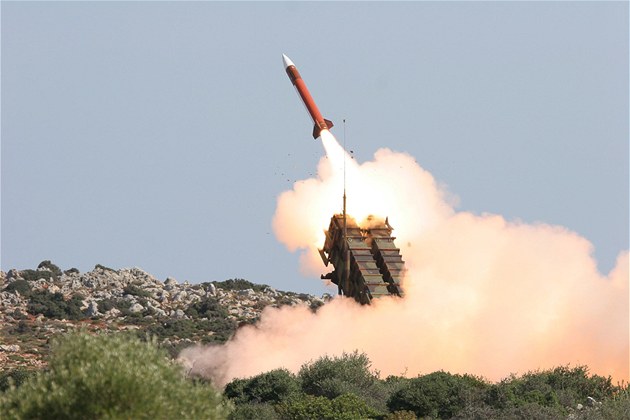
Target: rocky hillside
(37, 304)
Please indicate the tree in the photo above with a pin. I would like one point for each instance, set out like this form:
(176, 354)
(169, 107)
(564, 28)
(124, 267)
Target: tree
(114, 377)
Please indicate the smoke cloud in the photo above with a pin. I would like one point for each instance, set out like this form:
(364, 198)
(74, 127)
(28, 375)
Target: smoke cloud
(483, 295)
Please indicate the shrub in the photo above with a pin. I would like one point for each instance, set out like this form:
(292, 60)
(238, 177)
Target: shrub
(350, 406)
(130, 289)
(270, 387)
(239, 284)
(110, 377)
(305, 407)
(53, 305)
(14, 377)
(400, 415)
(348, 374)
(221, 328)
(439, 394)
(561, 386)
(71, 271)
(50, 266)
(208, 307)
(249, 411)
(102, 267)
(344, 407)
(105, 305)
(34, 275)
(23, 287)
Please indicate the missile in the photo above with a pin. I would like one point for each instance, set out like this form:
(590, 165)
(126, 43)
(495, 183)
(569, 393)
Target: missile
(320, 122)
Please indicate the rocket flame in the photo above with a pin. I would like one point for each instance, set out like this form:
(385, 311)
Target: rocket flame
(482, 295)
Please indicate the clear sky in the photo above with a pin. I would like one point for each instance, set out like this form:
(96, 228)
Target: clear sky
(159, 134)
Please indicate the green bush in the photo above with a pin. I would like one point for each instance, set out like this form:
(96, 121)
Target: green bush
(23, 287)
(104, 268)
(304, 406)
(53, 305)
(344, 407)
(439, 394)
(270, 387)
(110, 377)
(50, 266)
(130, 289)
(616, 407)
(251, 411)
(14, 377)
(197, 329)
(105, 305)
(238, 284)
(348, 374)
(350, 406)
(207, 307)
(34, 275)
(400, 415)
(558, 387)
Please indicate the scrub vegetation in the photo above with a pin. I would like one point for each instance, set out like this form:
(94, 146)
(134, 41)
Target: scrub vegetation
(108, 377)
(118, 375)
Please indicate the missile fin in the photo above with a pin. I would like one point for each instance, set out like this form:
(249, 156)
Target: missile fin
(316, 131)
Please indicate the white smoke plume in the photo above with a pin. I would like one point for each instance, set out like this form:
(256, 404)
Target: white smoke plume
(483, 295)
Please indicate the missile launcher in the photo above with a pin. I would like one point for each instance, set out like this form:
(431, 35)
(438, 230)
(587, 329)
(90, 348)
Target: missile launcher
(367, 264)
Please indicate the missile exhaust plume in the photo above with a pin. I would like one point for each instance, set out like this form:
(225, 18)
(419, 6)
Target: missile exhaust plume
(483, 295)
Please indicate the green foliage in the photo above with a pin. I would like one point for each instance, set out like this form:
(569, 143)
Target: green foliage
(217, 319)
(616, 407)
(50, 266)
(220, 329)
(305, 407)
(102, 267)
(71, 271)
(558, 387)
(208, 307)
(14, 377)
(350, 406)
(344, 407)
(348, 374)
(438, 394)
(239, 284)
(250, 411)
(110, 377)
(130, 289)
(105, 305)
(34, 275)
(23, 287)
(53, 305)
(270, 387)
(400, 415)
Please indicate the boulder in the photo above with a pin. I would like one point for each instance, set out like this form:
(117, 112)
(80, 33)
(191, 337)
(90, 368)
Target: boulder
(92, 309)
(180, 296)
(170, 283)
(135, 308)
(9, 348)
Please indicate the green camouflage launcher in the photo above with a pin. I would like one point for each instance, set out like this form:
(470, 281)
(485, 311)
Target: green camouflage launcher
(367, 263)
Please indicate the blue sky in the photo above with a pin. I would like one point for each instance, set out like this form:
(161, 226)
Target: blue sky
(159, 134)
